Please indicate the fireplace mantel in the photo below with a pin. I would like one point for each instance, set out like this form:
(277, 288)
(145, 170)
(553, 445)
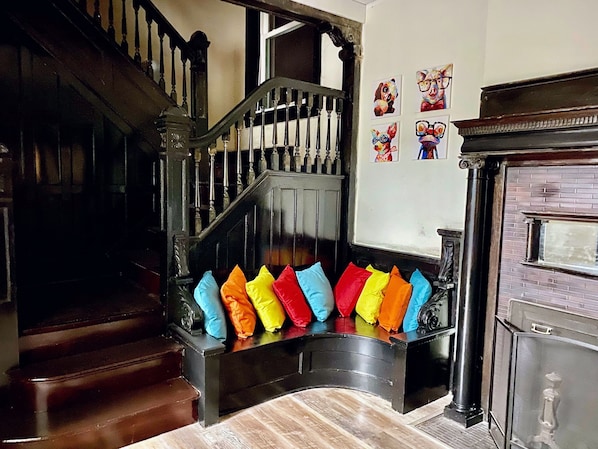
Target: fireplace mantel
(545, 122)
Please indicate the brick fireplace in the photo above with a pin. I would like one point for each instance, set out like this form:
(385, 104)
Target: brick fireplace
(532, 162)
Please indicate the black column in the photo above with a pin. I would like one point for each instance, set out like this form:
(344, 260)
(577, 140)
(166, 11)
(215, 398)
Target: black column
(467, 369)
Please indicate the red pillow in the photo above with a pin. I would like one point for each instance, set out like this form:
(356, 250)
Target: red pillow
(395, 302)
(291, 296)
(348, 288)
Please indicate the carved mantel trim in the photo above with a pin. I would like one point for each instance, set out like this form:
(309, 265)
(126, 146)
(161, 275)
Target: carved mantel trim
(570, 118)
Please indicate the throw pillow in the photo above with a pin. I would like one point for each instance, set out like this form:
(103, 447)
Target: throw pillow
(268, 307)
(290, 295)
(370, 299)
(422, 290)
(237, 304)
(349, 287)
(207, 297)
(395, 302)
(317, 290)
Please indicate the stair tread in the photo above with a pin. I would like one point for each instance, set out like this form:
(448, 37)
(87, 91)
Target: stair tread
(101, 359)
(93, 415)
(105, 300)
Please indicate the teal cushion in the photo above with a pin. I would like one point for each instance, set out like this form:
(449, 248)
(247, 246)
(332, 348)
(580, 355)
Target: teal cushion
(207, 296)
(317, 290)
(422, 290)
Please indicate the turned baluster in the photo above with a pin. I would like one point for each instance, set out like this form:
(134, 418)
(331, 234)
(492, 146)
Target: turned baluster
(212, 205)
(309, 103)
(286, 157)
(337, 145)
(239, 167)
(275, 156)
(161, 81)
(184, 104)
(124, 44)
(198, 223)
(173, 94)
(97, 17)
(251, 170)
(149, 71)
(327, 159)
(263, 162)
(319, 104)
(111, 30)
(137, 57)
(225, 181)
(298, 104)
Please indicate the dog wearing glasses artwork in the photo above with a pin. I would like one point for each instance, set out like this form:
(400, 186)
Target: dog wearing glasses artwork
(434, 87)
(382, 143)
(430, 137)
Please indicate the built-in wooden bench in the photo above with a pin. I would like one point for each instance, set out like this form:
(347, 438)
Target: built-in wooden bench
(409, 369)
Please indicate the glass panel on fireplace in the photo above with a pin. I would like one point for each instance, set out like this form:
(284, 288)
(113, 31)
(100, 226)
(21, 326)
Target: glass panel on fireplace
(569, 244)
(554, 394)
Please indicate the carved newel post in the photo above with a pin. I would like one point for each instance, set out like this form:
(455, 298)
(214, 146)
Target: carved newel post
(467, 370)
(174, 126)
(198, 47)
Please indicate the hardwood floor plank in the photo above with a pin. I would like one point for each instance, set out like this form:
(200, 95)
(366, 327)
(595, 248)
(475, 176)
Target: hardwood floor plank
(318, 418)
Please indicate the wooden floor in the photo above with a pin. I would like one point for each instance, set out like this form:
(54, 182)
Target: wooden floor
(318, 418)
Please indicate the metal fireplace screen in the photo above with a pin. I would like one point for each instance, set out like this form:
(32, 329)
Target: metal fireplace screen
(551, 397)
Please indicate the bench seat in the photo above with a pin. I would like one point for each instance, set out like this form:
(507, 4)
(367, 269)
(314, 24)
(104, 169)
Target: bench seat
(408, 369)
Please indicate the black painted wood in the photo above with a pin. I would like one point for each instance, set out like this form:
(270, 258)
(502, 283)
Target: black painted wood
(408, 369)
(283, 218)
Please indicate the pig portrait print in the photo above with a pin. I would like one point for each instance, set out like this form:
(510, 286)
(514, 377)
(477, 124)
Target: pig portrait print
(434, 86)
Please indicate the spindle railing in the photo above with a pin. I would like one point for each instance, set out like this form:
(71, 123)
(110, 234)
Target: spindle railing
(157, 48)
(285, 124)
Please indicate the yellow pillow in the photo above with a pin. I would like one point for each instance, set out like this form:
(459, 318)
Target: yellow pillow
(370, 299)
(266, 303)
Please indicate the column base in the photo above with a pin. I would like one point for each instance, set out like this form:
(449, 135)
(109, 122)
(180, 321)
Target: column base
(466, 418)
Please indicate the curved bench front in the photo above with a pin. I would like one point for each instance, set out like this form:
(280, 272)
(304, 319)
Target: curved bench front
(408, 369)
(342, 352)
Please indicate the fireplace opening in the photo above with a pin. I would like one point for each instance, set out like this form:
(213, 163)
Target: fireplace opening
(544, 392)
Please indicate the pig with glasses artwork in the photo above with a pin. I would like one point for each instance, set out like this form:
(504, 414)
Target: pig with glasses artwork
(433, 85)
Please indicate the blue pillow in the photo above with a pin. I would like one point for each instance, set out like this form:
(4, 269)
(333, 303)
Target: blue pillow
(422, 290)
(207, 296)
(317, 290)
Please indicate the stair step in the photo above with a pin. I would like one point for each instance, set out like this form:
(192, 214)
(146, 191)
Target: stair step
(50, 384)
(88, 317)
(114, 421)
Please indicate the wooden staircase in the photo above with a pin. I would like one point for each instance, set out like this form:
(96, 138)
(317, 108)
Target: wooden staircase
(101, 375)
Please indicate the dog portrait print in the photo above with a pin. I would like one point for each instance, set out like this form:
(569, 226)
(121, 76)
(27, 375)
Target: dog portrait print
(431, 137)
(434, 87)
(387, 99)
(384, 143)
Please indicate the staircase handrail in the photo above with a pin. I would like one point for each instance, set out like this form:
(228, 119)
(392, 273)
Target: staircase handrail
(248, 103)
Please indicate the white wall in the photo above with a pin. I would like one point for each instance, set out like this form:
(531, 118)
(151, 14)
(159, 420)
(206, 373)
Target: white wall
(532, 38)
(401, 205)
(224, 24)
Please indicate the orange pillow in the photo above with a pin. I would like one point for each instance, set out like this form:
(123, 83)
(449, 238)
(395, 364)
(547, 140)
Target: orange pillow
(395, 302)
(237, 304)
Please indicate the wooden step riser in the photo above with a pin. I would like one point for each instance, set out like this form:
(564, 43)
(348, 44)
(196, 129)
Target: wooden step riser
(49, 394)
(60, 343)
(120, 432)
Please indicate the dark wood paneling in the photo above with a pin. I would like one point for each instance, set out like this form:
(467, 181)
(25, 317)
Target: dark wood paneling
(282, 219)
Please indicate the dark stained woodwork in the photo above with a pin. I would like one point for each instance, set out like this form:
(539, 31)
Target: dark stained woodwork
(283, 218)
(408, 369)
(52, 384)
(546, 121)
